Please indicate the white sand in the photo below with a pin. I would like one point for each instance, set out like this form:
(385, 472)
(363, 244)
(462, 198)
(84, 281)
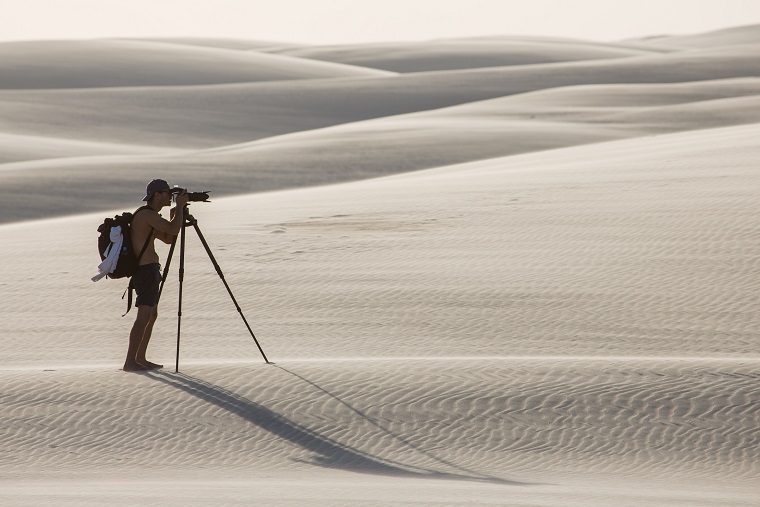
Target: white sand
(568, 317)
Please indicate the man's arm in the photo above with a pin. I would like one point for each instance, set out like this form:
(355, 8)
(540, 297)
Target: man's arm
(168, 237)
(165, 230)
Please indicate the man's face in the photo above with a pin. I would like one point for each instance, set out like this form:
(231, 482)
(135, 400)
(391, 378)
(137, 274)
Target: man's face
(163, 198)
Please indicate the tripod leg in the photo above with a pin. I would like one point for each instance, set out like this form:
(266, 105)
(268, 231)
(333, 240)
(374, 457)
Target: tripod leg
(181, 280)
(221, 275)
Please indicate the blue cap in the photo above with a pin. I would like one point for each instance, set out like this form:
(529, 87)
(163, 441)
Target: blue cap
(155, 186)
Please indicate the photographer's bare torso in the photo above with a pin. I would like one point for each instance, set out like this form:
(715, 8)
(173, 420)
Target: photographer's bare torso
(142, 224)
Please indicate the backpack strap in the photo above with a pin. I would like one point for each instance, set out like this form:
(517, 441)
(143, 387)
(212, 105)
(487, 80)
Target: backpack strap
(145, 246)
(131, 287)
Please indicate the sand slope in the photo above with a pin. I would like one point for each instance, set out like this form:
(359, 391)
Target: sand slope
(560, 224)
(17, 148)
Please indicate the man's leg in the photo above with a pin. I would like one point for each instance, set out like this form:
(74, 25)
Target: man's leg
(142, 349)
(142, 321)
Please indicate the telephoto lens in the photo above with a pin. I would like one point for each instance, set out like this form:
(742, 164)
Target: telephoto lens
(192, 196)
(198, 196)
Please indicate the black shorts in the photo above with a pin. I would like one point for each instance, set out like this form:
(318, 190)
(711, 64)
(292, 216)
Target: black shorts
(146, 282)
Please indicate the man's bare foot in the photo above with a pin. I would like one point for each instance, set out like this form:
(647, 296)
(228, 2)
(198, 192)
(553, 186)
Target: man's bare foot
(134, 366)
(150, 366)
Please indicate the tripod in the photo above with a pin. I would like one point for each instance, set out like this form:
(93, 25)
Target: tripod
(191, 220)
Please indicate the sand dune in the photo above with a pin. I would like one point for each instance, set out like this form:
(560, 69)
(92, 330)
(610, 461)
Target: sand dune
(624, 96)
(460, 54)
(201, 117)
(749, 34)
(17, 148)
(560, 309)
(214, 42)
(90, 64)
(625, 45)
(480, 130)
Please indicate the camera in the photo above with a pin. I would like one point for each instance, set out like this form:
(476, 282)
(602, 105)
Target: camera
(191, 196)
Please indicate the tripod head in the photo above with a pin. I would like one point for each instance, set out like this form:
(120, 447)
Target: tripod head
(189, 219)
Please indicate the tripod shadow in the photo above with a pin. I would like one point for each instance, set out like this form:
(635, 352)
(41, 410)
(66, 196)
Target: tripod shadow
(329, 452)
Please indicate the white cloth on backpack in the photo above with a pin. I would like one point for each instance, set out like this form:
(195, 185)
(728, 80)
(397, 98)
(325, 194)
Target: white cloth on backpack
(112, 254)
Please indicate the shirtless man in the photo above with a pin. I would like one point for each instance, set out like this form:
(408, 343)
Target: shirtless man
(147, 279)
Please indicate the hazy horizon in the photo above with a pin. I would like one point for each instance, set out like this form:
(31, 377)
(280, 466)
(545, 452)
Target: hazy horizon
(360, 21)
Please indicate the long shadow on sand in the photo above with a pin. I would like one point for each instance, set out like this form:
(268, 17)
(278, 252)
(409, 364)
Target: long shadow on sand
(329, 452)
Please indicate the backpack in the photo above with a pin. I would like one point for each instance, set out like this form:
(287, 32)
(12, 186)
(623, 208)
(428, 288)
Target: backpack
(127, 262)
(126, 266)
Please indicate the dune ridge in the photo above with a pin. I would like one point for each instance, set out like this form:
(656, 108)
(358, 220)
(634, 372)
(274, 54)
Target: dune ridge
(214, 42)
(460, 54)
(106, 63)
(725, 37)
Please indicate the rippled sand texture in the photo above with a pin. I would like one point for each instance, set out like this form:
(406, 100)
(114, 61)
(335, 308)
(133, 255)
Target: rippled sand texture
(530, 276)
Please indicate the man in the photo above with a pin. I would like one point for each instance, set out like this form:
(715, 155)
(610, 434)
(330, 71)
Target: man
(147, 225)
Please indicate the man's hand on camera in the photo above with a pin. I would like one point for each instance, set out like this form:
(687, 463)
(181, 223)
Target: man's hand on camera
(182, 198)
